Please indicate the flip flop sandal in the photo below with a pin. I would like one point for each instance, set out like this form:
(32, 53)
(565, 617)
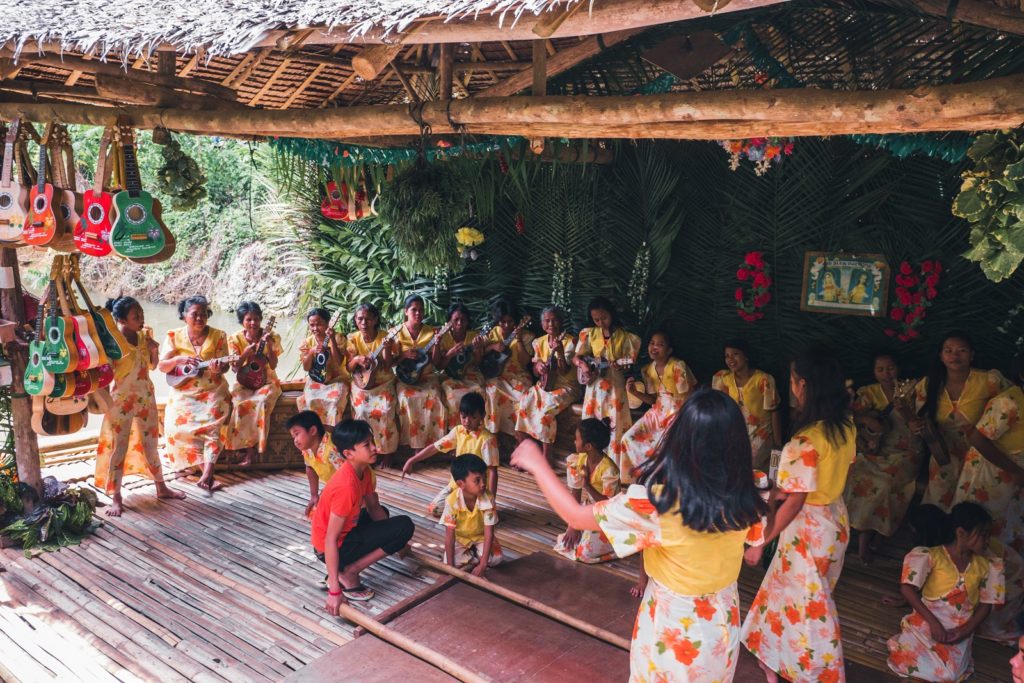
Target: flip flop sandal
(358, 593)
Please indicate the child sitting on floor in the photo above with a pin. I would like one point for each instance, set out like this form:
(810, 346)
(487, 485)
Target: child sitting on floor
(952, 588)
(592, 477)
(318, 452)
(469, 518)
(345, 536)
(468, 437)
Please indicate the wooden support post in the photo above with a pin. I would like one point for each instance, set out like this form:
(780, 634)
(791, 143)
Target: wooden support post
(26, 444)
(409, 90)
(444, 72)
(540, 74)
(529, 603)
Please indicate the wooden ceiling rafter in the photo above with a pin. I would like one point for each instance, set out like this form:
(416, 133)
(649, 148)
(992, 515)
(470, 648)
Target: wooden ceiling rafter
(309, 80)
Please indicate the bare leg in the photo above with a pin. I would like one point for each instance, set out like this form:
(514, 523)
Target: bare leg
(247, 455)
(867, 555)
(165, 491)
(115, 508)
(206, 482)
(492, 481)
(349, 577)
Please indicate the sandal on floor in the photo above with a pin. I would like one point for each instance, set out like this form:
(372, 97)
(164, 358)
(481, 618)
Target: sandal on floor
(358, 593)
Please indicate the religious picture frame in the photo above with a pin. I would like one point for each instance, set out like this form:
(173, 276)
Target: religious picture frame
(845, 284)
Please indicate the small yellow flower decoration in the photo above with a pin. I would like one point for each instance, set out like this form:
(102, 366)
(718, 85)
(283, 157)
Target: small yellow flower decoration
(469, 237)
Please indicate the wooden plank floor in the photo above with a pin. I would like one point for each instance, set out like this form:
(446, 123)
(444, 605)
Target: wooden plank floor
(123, 605)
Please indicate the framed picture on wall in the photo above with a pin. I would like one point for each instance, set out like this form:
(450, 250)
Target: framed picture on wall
(847, 284)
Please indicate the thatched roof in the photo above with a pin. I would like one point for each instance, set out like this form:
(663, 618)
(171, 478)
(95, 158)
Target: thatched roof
(224, 27)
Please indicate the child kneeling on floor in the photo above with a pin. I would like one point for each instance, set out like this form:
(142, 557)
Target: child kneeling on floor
(318, 452)
(469, 517)
(347, 538)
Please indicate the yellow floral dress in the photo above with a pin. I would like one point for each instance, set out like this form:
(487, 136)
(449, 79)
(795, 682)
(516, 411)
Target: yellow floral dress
(757, 399)
(454, 389)
(1003, 624)
(688, 624)
(504, 392)
(376, 405)
(954, 418)
(482, 443)
(983, 482)
(421, 414)
(196, 417)
(538, 409)
(328, 399)
(325, 460)
(250, 412)
(881, 484)
(952, 597)
(672, 386)
(606, 396)
(792, 625)
(469, 528)
(131, 428)
(593, 546)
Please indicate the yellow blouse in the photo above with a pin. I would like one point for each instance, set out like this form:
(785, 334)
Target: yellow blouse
(981, 385)
(215, 346)
(939, 576)
(469, 524)
(542, 353)
(137, 358)
(512, 367)
(325, 460)
(675, 379)
(1001, 423)
(448, 341)
(357, 346)
(621, 344)
(481, 442)
(758, 395)
(603, 478)
(238, 343)
(336, 370)
(812, 464)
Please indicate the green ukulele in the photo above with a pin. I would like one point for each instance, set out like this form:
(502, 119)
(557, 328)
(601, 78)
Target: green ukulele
(138, 231)
(60, 353)
(38, 381)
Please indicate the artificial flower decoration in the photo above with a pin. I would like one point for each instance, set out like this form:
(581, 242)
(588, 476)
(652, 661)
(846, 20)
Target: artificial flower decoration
(468, 238)
(754, 293)
(915, 292)
(762, 151)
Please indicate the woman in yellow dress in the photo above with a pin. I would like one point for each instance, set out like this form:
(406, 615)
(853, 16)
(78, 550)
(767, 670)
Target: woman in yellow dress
(249, 426)
(377, 403)
(504, 392)
(128, 437)
(539, 408)
(326, 399)
(421, 413)
(883, 479)
(690, 516)
(754, 391)
(197, 411)
(953, 396)
(606, 396)
(792, 626)
(460, 344)
(667, 381)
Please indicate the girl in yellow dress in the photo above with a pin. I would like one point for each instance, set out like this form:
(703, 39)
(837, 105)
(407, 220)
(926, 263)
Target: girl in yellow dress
(883, 478)
(754, 391)
(128, 437)
(328, 399)
(592, 477)
(952, 588)
(197, 411)
(792, 626)
(606, 396)
(667, 381)
(249, 426)
(504, 392)
(953, 396)
(421, 413)
(377, 403)
(457, 343)
(690, 516)
(539, 408)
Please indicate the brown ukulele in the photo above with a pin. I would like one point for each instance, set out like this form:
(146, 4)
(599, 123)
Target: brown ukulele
(365, 375)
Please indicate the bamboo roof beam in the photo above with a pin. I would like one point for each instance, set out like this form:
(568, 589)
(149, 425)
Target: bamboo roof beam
(981, 105)
(245, 73)
(309, 80)
(248, 57)
(340, 89)
(509, 51)
(191, 64)
(550, 21)
(281, 68)
(77, 73)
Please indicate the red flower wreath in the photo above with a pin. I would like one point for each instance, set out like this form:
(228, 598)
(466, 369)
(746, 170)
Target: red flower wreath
(914, 294)
(753, 273)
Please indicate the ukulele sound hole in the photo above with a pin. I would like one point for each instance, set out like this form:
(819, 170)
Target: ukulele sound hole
(136, 214)
(36, 359)
(53, 335)
(6, 202)
(39, 205)
(65, 211)
(95, 213)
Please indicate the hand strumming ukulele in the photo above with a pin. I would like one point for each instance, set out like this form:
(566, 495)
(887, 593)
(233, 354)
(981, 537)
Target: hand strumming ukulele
(493, 362)
(183, 373)
(597, 366)
(410, 371)
(253, 374)
(13, 196)
(365, 375)
(318, 370)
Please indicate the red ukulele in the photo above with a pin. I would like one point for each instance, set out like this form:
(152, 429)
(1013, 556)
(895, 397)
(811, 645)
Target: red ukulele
(43, 224)
(92, 234)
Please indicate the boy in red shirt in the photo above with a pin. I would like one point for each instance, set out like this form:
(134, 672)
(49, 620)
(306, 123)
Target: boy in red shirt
(347, 538)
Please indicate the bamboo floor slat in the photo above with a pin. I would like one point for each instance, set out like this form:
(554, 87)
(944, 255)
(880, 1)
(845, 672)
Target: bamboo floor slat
(128, 608)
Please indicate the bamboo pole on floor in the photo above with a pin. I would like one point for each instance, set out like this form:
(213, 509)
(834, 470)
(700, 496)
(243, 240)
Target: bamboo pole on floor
(524, 601)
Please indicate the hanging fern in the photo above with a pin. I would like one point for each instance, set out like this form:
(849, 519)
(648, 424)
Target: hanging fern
(180, 178)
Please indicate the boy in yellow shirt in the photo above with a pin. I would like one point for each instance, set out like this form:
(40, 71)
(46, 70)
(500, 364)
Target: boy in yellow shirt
(468, 437)
(469, 517)
(318, 451)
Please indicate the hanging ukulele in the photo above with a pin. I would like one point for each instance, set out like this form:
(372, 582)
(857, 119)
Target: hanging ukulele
(365, 375)
(87, 343)
(410, 371)
(92, 235)
(113, 341)
(65, 194)
(60, 354)
(317, 371)
(38, 380)
(13, 196)
(253, 374)
(43, 225)
(137, 230)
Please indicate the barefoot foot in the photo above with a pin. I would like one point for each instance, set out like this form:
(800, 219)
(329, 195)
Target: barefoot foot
(164, 491)
(115, 508)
